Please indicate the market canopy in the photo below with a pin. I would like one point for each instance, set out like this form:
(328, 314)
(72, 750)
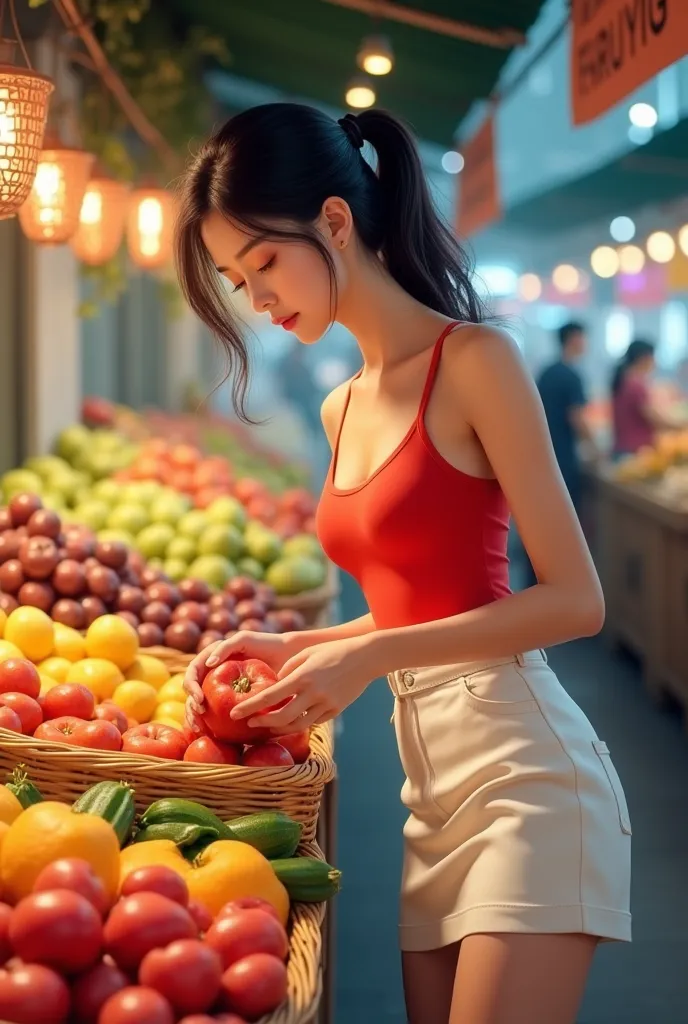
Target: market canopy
(447, 53)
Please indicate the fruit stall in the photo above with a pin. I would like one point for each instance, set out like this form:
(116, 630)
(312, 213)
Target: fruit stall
(148, 873)
(638, 511)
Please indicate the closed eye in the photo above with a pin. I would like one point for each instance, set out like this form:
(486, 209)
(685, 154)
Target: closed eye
(267, 266)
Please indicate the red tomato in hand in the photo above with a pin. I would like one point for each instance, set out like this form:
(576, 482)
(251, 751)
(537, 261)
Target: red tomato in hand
(229, 685)
(97, 735)
(33, 994)
(60, 928)
(109, 712)
(9, 719)
(18, 675)
(235, 936)
(207, 750)
(247, 903)
(28, 710)
(267, 755)
(134, 1005)
(92, 990)
(69, 699)
(76, 875)
(155, 740)
(254, 986)
(298, 744)
(157, 878)
(143, 922)
(187, 973)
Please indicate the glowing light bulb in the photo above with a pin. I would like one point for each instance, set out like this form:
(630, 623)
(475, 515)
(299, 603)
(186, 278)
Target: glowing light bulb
(661, 247)
(604, 261)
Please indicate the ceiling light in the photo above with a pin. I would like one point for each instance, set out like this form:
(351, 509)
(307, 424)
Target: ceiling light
(566, 278)
(631, 259)
(604, 261)
(453, 162)
(529, 287)
(375, 55)
(661, 247)
(622, 229)
(683, 238)
(360, 93)
(642, 115)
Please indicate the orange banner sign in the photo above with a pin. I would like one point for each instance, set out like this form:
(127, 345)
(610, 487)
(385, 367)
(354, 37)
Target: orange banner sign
(479, 199)
(616, 45)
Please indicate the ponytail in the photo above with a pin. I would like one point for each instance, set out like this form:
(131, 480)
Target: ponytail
(636, 351)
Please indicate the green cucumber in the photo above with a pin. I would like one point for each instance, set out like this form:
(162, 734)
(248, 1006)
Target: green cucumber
(113, 801)
(306, 879)
(175, 809)
(183, 833)
(272, 833)
(23, 788)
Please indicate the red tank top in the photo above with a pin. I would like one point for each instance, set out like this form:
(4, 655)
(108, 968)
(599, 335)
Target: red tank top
(424, 540)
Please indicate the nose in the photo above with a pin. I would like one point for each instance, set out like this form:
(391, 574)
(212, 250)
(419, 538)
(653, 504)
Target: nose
(262, 299)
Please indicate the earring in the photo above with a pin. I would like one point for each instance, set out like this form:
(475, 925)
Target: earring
(342, 243)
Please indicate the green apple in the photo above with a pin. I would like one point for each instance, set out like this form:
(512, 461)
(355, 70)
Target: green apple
(303, 544)
(169, 508)
(221, 539)
(175, 568)
(93, 513)
(71, 441)
(46, 465)
(108, 490)
(192, 524)
(132, 518)
(295, 574)
(262, 544)
(250, 567)
(154, 540)
(214, 569)
(227, 510)
(143, 492)
(182, 548)
(20, 481)
(53, 500)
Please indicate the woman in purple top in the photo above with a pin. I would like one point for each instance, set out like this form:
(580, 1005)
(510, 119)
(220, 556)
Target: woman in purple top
(636, 419)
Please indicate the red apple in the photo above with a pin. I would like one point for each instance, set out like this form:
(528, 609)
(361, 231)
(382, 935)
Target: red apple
(37, 595)
(158, 613)
(39, 556)
(183, 636)
(150, 635)
(103, 582)
(9, 545)
(209, 636)
(131, 599)
(69, 613)
(69, 578)
(195, 590)
(165, 592)
(112, 553)
(11, 576)
(44, 523)
(93, 606)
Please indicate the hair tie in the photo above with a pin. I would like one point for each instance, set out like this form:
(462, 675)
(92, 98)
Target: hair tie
(352, 129)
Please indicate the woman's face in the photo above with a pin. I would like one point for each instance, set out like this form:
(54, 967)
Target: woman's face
(287, 280)
(645, 366)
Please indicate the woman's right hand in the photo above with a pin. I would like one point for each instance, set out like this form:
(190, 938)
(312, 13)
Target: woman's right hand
(272, 648)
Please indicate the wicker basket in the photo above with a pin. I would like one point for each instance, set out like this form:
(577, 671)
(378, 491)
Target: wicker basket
(63, 772)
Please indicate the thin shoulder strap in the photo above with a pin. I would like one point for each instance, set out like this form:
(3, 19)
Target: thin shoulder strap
(434, 363)
(335, 450)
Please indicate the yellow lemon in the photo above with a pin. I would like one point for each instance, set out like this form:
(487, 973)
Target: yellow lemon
(47, 683)
(136, 699)
(32, 631)
(172, 722)
(56, 668)
(3, 620)
(8, 650)
(101, 677)
(111, 637)
(170, 709)
(149, 670)
(10, 808)
(173, 689)
(69, 643)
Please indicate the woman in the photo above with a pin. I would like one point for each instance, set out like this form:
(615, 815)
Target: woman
(517, 854)
(635, 417)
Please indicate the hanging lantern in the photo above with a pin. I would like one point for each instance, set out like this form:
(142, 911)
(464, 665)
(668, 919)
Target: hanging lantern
(23, 114)
(101, 220)
(150, 227)
(51, 213)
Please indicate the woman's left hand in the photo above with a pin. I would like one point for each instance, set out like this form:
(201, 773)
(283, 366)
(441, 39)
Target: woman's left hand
(321, 680)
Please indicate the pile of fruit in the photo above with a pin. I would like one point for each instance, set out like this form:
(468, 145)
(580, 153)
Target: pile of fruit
(160, 931)
(669, 453)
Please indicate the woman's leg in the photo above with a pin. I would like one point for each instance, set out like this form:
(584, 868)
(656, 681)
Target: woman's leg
(512, 978)
(429, 983)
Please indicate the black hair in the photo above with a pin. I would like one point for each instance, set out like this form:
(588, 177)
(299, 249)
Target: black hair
(568, 331)
(275, 165)
(638, 350)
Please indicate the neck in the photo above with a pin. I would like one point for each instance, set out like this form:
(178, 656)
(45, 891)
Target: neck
(388, 324)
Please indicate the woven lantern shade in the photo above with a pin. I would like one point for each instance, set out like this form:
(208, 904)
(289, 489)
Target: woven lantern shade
(101, 220)
(150, 227)
(51, 213)
(23, 115)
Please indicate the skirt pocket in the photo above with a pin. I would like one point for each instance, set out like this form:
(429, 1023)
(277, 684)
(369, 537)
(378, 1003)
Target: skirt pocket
(602, 751)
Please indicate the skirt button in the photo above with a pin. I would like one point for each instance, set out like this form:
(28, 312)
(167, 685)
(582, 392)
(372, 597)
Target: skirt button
(408, 680)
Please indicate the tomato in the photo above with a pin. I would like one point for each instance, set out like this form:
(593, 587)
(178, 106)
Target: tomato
(9, 719)
(247, 903)
(97, 734)
(92, 989)
(210, 751)
(155, 740)
(136, 1005)
(143, 922)
(77, 875)
(187, 973)
(26, 708)
(33, 994)
(298, 501)
(298, 744)
(5, 944)
(201, 915)
(71, 700)
(238, 935)
(157, 878)
(109, 712)
(18, 675)
(254, 986)
(265, 755)
(60, 928)
(227, 686)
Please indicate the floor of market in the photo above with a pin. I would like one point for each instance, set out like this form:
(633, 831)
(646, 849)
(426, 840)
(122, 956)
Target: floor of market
(645, 982)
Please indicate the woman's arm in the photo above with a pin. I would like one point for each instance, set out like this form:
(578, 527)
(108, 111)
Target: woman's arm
(498, 399)
(343, 631)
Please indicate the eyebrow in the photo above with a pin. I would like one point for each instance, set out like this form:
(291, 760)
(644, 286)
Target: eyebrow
(243, 252)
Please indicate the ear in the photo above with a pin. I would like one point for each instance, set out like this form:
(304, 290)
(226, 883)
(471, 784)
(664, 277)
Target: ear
(337, 222)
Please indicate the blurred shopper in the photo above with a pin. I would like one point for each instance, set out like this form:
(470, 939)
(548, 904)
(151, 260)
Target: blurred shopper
(636, 417)
(517, 840)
